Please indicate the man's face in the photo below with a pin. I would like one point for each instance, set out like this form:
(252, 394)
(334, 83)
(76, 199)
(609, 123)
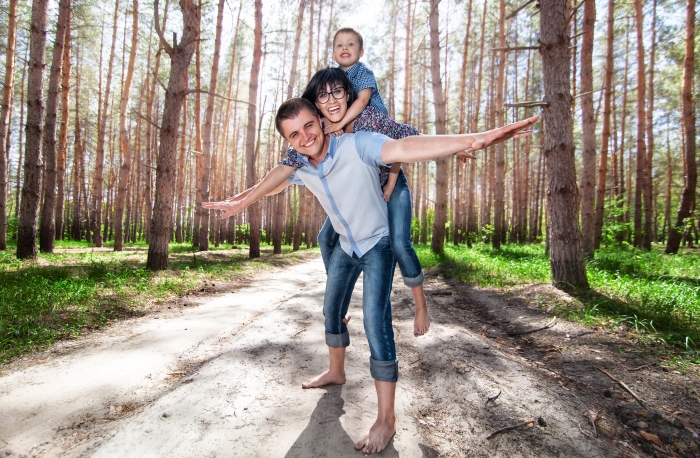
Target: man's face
(305, 134)
(346, 50)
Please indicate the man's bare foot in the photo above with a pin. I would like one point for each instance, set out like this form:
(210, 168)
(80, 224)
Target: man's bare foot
(421, 323)
(347, 319)
(378, 437)
(327, 378)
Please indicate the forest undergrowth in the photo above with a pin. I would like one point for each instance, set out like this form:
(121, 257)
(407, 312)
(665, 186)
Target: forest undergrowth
(654, 295)
(78, 288)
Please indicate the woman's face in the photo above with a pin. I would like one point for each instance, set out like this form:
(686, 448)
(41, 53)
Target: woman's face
(332, 108)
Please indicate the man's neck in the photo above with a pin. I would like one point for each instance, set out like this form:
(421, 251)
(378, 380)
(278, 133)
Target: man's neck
(315, 160)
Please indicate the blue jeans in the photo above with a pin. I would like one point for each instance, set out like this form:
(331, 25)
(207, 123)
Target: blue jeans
(399, 207)
(378, 268)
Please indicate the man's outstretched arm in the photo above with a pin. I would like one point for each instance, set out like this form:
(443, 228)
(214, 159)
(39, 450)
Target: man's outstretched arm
(421, 148)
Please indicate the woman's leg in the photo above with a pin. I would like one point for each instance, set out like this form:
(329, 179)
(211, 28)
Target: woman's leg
(400, 233)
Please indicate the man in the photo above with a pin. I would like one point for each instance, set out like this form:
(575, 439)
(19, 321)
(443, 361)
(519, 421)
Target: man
(342, 174)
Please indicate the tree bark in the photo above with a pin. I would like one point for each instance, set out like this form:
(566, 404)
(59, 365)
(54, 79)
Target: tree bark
(125, 168)
(588, 128)
(180, 58)
(254, 210)
(33, 166)
(685, 211)
(437, 244)
(605, 136)
(566, 255)
(5, 116)
(650, 130)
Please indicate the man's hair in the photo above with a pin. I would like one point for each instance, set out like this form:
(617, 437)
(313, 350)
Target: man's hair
(290, 110)
(350, 30)
(329, 76)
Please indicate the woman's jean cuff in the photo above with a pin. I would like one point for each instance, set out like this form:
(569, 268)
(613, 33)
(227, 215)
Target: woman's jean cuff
(414, 281)
(338, 340)
(384, 371)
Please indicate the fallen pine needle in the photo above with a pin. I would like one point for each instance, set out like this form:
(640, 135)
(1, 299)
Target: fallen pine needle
(526, 422)
(623, 385)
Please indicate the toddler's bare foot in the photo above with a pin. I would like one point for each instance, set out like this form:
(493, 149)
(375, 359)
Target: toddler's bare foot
(327, 378)
(377, 439)
(347, 319)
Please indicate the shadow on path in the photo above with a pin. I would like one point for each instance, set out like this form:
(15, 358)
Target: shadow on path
(324, 436)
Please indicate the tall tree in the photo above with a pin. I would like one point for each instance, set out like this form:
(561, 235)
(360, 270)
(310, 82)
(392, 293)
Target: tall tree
(588, 128)
(125, 167)
(438, 242)
(605, 135)
(5, 116)
(253, 210)
(63, 132)
(642, 200)
(98, 179)
(180, 58)
(688, 107)
(566, 255)
(33, 166)
(499, 184)
(206, 133)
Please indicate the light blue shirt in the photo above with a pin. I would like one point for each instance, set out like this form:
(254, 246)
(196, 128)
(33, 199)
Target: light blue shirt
(346, 184)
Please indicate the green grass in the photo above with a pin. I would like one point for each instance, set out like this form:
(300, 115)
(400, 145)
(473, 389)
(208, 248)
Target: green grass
(77, 288)
(650, 292)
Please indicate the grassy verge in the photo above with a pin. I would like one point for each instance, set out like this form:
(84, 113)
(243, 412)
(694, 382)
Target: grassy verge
(655, 294)
(79, 288)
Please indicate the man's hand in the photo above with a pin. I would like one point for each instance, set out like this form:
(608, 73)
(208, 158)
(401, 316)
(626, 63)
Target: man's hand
(501, 134)
(228, 208)
(333, 128)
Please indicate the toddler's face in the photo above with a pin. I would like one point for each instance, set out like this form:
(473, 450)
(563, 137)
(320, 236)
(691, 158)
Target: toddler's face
(346, 50)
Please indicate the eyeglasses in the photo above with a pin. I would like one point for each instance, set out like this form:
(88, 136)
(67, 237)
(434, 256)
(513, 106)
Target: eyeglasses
(337, 93)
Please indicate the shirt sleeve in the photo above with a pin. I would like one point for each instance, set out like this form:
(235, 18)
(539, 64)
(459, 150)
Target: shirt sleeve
(294, 179)
(369, 147)
(364, 79)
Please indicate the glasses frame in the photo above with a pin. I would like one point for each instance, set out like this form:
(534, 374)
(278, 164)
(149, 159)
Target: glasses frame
(327, 95)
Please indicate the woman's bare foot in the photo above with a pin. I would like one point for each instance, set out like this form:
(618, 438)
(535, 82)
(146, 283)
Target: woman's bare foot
(421, 322)
(378, 437)
(327, 378)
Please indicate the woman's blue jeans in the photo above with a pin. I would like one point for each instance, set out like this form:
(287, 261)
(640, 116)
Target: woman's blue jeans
(399, 207)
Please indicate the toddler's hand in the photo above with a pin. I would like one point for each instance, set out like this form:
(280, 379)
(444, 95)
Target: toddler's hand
(332, 128)
(388, 190)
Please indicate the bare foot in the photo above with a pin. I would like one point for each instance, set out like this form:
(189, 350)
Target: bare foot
(377, 439)
(421, 322)
(327, 378)
(347, 319)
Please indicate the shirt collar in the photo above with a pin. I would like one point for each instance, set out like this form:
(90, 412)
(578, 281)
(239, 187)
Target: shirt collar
(354, 70)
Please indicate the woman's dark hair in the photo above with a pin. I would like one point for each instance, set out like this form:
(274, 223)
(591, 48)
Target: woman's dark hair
(328, 77)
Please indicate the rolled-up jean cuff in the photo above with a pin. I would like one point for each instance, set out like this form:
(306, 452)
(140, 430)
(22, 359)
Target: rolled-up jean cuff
(338, 340)
(414, 281)
(384, 371)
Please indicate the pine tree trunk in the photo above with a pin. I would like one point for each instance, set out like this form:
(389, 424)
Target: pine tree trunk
(566, 255)
(605, 136)
(63, 132)
(206, 132)
(588, 129)
(180, 58)
(26, 233)
(254, 211)
(499, 184)
(651, 226)
(688, 108)
(125, 168)
(47, 231)
(438, 242)
(5, 116)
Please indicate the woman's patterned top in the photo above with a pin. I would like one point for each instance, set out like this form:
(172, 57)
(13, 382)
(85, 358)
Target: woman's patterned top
(370, 120)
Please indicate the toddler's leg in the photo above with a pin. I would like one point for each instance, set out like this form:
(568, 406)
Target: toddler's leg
(400, 232)
(327, 238)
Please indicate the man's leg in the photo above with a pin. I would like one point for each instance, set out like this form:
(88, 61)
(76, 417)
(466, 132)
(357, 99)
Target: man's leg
(327, 239)
(343, 272)
(378, 267)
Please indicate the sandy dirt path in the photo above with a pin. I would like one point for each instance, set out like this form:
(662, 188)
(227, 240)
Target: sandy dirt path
(219, 375)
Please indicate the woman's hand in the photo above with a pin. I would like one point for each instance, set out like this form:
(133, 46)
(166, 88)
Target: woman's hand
(334, 128)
